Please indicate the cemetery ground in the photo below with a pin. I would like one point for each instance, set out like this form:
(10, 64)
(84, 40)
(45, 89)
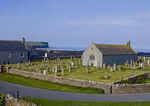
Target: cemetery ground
(72, 68)
(48, 102)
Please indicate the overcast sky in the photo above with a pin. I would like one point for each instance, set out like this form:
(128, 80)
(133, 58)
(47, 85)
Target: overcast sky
(76, 23)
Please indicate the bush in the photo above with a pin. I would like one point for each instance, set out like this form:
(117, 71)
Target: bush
(2, 99)
(140, 80)
(100, 91)
(126, 82)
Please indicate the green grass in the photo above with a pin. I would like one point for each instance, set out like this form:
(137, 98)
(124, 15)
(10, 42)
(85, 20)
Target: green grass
(47, 102)
(47, 85)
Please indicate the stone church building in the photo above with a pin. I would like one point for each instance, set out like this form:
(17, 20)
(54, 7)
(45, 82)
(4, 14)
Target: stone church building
(12, 52)
(99, 54)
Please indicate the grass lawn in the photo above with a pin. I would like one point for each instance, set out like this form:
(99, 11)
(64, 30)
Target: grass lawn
(79, 72)
(47, 102)
(47, 85)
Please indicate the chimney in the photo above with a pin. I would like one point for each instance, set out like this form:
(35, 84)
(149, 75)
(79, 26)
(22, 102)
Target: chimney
(128, 43)
(23, 40)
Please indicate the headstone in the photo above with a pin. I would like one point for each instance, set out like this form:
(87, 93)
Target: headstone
(111, 69)
(148, 61)
(141, 65)
(108, 67)
(114, 67)
(87, 70)
(62, 71)
(69, 68)
(106, 75)
(119, 68)
(44, 72)
(72, 64)
(18, 65)
(55, 71)
(104, 66)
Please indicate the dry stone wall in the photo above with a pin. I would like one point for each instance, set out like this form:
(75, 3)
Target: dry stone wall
(12, 101)
(112, 88)
(61, 80)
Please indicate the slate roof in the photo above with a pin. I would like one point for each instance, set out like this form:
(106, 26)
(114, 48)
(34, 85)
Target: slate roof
(11, 45)
(108, 49)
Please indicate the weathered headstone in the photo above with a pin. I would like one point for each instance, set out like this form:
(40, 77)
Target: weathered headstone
(44, 72)
(104, 66)
(72, 64)
(87, 70)
(111, 69)
(69, 68)
(18, 65)
(106, 75)
(119, 68)
(108, 67)
(114, 66)
(55, 71)
(62, 71)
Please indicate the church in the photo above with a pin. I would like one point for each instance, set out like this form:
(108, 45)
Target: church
(108, 54)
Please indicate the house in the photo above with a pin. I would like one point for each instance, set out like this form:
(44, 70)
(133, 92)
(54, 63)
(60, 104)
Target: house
(12, 52)
(99, 54)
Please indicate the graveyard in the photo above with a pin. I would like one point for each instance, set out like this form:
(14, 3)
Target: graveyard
(72, 68)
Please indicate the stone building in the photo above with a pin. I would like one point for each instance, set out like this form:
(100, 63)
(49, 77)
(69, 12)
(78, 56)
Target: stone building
(99, 54)
(12, 52)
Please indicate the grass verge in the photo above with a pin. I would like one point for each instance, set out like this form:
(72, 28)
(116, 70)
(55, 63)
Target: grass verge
(16, 79)
(48, 102)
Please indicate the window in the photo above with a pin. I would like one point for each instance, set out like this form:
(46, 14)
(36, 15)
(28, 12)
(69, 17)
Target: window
(8, 62)
(9, 55)
(21, 61)
(92, 57)
(22, 54)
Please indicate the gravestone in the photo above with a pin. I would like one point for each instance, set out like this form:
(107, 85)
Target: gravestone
(55, 71)
(106, 75)
(114, 67)
(87, 70)
(111, 70)
(108, 67)
(104, 66)
(72, 64)
(44, 72)
(62, 71)
(18, 66)
(119, 68)
(69, 68)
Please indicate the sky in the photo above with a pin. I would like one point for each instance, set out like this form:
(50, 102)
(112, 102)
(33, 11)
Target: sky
(77, 23)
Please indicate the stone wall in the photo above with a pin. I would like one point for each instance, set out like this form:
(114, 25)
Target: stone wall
(12, 101)
(112, 88)
(130, 88)
(61, 80)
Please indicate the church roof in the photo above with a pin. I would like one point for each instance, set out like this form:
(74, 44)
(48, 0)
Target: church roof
(11, 45)
(108, 49)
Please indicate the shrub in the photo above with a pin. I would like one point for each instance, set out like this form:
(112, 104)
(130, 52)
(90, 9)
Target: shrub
(2, 99)
(140, 80)
(126, 82)
(100, 91)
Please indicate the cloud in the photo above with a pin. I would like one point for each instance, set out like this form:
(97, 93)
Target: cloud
(112, 22)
